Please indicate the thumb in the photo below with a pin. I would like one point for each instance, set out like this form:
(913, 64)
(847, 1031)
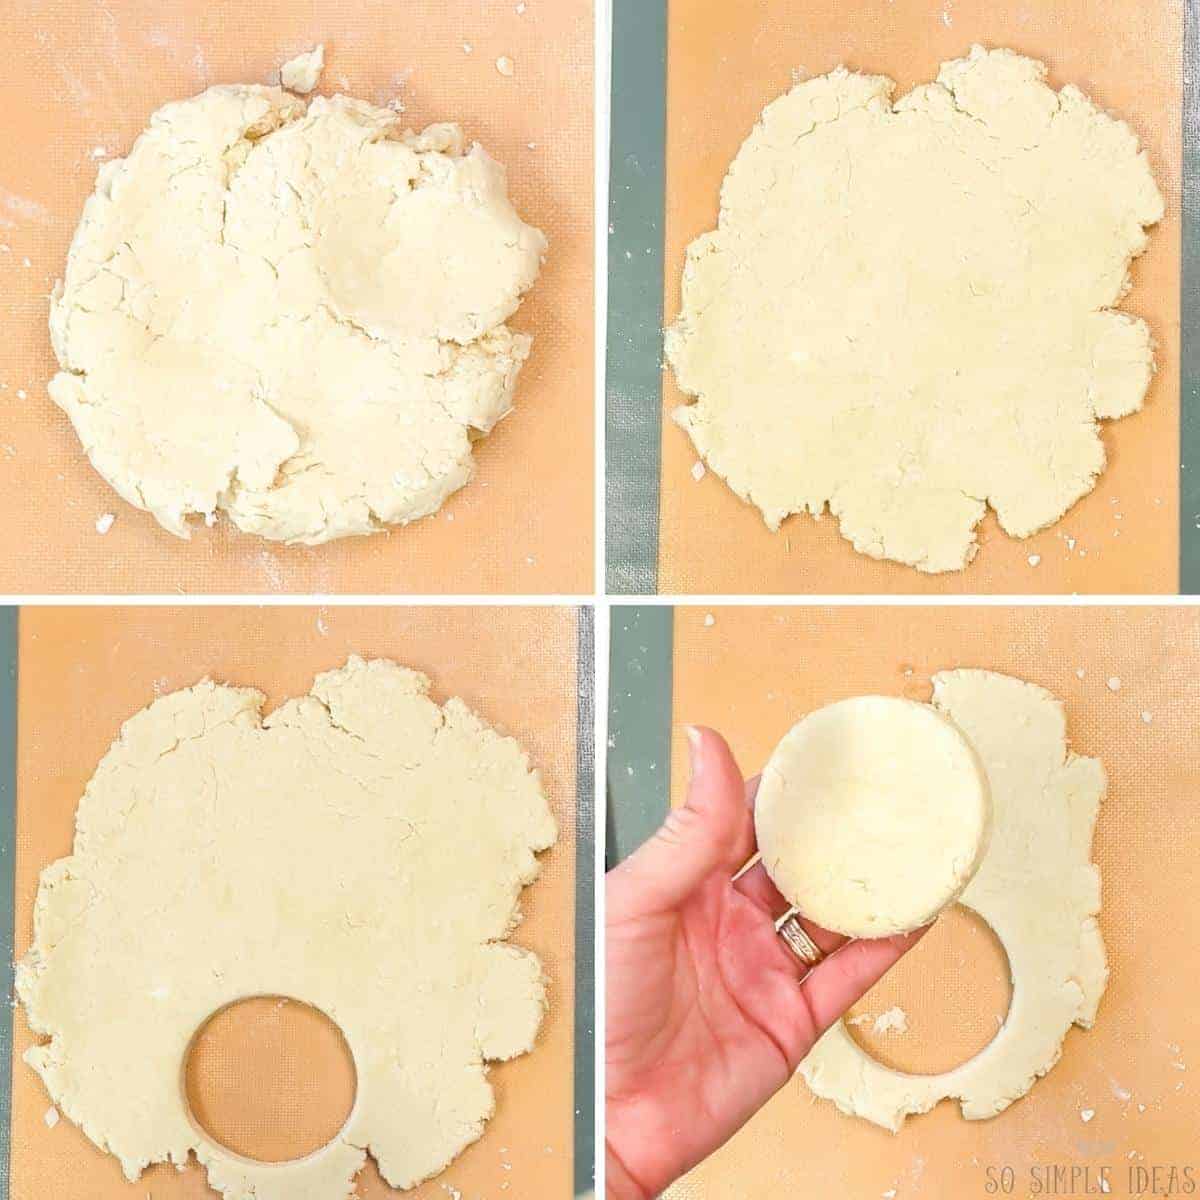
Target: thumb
(712, 831)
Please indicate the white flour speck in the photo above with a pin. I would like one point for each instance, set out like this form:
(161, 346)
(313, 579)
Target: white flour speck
(894, 1018)
(698, 471)
(104, 522)
(505, 66)
(1087, 1114)
(1147, 716)
(51, 1117)
(1114, 684)
(1034, 559)
(709, 620)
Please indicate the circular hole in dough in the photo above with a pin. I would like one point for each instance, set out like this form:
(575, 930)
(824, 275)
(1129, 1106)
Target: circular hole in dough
(270, 1079)
(951, 994)
(873, 815)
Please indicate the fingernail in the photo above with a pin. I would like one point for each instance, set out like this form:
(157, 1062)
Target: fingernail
(694, 742)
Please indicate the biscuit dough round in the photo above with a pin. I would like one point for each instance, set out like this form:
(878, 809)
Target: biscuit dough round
(362, 850)
(292, 312)
(907, 311)
(1038, 890)
(872, 815)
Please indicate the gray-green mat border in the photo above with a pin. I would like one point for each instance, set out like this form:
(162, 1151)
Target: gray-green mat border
(640, 676)
(585, 907)
(637, 180)
(8, 852)
(1189, 393)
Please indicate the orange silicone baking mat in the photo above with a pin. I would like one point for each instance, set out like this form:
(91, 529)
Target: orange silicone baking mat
(83, 671)
(752, 673)
(724, 63)
(82, 77)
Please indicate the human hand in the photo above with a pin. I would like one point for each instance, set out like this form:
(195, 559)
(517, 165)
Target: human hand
(708, 1013)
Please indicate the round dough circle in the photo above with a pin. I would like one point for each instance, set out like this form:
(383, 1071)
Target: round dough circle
(872, 815)
(361, 849)
(293, 313)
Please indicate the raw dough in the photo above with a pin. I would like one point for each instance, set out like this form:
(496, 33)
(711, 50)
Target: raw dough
(362, 850)
(1038, 890)
(292, 313)
(906, 311)
(303, 73)
(872, 815)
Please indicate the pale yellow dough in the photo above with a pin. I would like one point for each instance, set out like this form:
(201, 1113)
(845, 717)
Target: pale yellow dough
(362, 850)
(293, 313)
(872, 815)
(1038, 890)
(303, 73)
(906, 312)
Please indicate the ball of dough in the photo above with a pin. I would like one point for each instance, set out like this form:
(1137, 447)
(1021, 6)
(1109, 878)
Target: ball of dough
(873, 815)
(293, 313)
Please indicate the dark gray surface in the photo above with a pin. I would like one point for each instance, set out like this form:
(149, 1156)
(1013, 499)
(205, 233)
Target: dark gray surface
(585, 909)
(633, 415)
(1189, 467)
(8, 849)
(640, 679)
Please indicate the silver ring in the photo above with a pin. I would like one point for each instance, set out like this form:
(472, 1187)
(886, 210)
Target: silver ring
(797, 941)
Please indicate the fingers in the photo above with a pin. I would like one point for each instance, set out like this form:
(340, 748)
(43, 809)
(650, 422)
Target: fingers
(755, 884)
(841, 980)
(713, 831)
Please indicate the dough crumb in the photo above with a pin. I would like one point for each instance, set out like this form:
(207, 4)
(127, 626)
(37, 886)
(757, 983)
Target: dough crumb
(1120, 1092)
(1087, 1114)
(1114, 684)
(302, 73)
(51, 1117)
(1034, 559)
(505, 66)
(861, 1019)
(521, 8)
(1079, 672)
(99, 152)
(1147, 717)
(709, 620)
(698, 471)
(104, 522)
(894, 1019)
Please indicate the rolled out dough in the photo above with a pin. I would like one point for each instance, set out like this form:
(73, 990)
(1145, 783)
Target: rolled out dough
(1037, 888)
(362, 850)
(872, 815)
(294, 313)
(907, 311)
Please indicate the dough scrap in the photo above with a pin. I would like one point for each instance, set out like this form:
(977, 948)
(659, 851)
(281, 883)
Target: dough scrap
(907, 311)
(872, 815)
(303, 73)
(362, 850)
(1038, 890)
(293, 313)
